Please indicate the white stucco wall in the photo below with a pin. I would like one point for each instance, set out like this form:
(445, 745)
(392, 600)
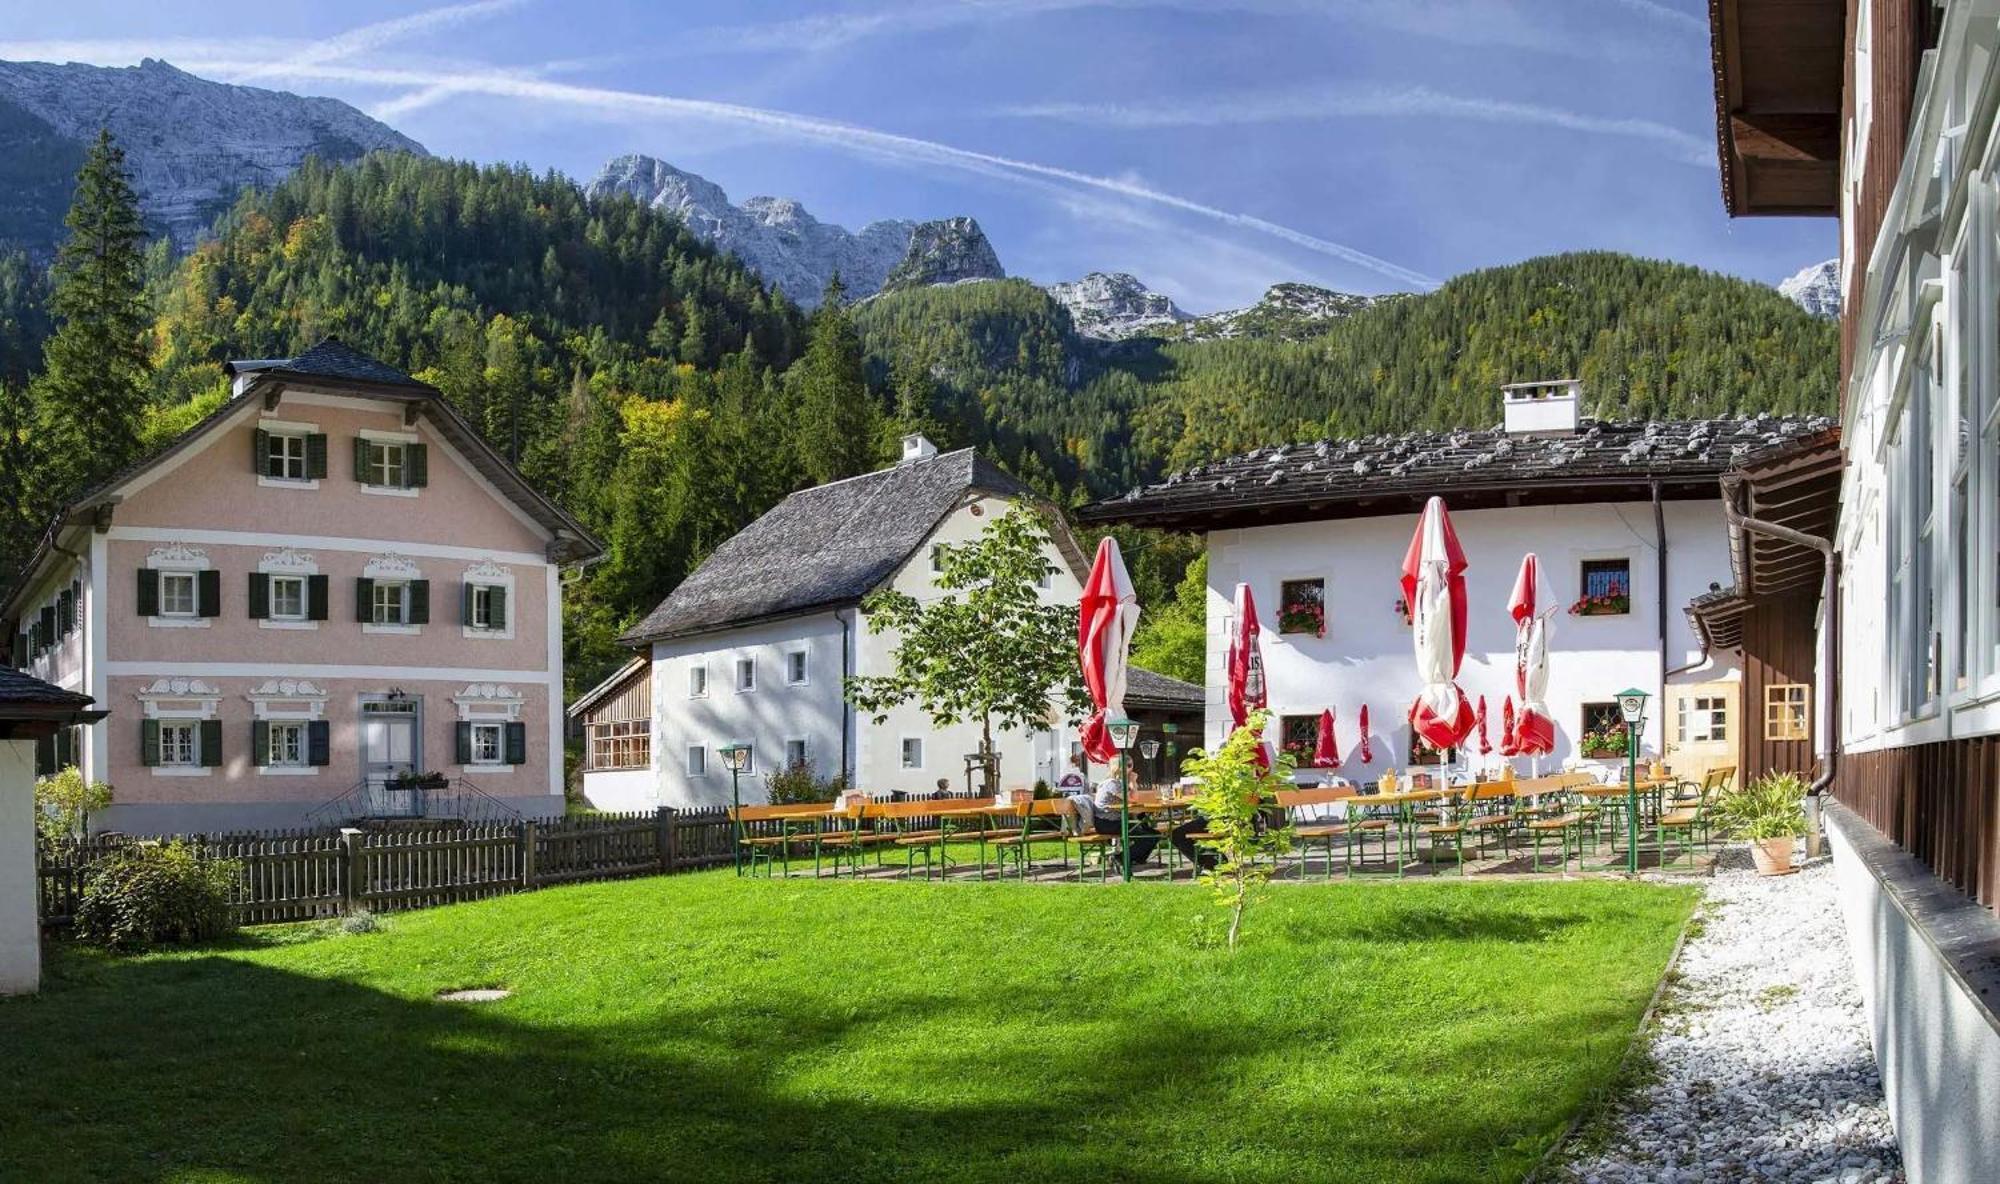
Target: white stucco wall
(1366, 655)
(20, 938)
(622, 791)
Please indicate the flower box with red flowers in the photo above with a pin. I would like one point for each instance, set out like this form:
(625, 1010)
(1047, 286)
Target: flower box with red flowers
(1610, 604)
(1302, 607)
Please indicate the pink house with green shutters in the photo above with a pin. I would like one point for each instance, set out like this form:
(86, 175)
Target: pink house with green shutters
(330, 600)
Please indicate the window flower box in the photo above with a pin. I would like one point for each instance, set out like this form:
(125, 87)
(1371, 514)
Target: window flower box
(1600, 745)
(1302, 607)
(1615, 604)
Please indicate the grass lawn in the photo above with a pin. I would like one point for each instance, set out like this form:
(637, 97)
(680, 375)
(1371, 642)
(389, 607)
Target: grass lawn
(705, 1028)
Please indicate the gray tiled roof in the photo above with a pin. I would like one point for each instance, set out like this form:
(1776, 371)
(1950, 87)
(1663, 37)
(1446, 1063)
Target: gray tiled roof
(823, 547)
(1392, 470)
(1153, 689)
(25, 690)
(333, 358)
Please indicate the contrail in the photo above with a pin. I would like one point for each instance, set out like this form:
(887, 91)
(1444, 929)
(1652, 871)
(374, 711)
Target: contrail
(367, 38)
(1672, 16)
(1321, 104)
(885, 145)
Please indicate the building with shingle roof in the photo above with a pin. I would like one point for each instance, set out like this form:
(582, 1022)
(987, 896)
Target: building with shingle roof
(1627, 521)
(755, 646)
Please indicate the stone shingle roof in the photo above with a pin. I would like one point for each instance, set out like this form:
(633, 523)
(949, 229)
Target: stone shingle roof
(25, 690)
(332, 358)
(823, 547)
(1390, 473)
(1145, 688)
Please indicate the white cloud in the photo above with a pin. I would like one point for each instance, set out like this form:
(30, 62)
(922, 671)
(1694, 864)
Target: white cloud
(368, 38)
(1668, 15)
(1325, 103)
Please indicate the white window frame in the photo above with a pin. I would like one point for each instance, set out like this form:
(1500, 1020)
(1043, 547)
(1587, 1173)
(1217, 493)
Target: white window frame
(190, 754)
(386, 440)
(804, 659)
(281, 429)
(695, 760)
(376, 603)
(1716, 711)
(903, 753)
(698, 674)
(388, 464)
(805, 751)
(304, 592)
(744, 664)
(193, 609)
(484, 732)
(274, 729)
(289, 701)
(485, 576)
(482, 606)
(286, 563)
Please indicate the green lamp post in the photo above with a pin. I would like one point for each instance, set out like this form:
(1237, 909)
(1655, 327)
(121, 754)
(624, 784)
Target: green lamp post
(1632, 707)
(736, 754)
(1123, 732)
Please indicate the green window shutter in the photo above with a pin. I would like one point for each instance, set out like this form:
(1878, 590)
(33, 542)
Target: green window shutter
(65, 613)
(49, 625)
(45, 756)
(319, 743)
(361, 460)
(65, 748)
(260, 453)
(463, 735)
(208, 592)
(315, 598)
(22, 654)
(316, 455)
(420, 602)
(496, 607)
(416, 465)
(149, 592)
(260, 596)
(211, 743)
(260, 743)
(517, 744)
(149, 742)
(465, 591)
(364, 600)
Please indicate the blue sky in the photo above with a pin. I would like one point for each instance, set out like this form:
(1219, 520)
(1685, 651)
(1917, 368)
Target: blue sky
(1211, 147)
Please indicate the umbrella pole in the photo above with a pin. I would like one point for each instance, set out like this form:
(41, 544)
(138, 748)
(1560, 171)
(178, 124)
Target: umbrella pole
(1125, 811)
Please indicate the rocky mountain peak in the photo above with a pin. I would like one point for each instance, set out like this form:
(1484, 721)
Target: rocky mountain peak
(946, 251)
(191, 145)
(1290, 311)
(796, 252)
(1114, 306)
(1815, 289)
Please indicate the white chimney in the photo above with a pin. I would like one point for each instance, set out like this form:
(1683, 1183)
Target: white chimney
(1546, 408)
(917, 446)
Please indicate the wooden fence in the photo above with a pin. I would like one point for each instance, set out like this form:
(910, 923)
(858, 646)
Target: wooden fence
(300, 875)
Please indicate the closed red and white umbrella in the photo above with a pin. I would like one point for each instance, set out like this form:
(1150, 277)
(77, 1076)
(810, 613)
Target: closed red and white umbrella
(1107, 615)
(1509, 743)
(1326, 753)
(1536, 733)
(1434, 588)
(1367, 750)
(1485, 745)
(1245, 666)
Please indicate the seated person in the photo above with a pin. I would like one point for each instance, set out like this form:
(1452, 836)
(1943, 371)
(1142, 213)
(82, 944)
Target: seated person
(1104, 815)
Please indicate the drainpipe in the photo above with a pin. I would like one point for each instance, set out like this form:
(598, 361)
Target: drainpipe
(846, 708)
(1829, 636)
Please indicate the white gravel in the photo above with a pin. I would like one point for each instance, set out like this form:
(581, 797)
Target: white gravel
(1761, 1049)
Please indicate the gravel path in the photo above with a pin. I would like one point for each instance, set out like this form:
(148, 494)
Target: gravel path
(1762, 1069)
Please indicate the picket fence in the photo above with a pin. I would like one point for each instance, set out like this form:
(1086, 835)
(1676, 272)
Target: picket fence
(301, 875)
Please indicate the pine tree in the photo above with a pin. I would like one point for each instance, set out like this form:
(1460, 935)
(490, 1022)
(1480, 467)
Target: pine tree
(916, 407)
(95, 369)
(23, 494)
(834, 416)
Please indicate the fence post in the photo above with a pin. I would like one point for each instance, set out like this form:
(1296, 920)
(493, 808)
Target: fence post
(355, 885)
(528, 830)
(663, 831)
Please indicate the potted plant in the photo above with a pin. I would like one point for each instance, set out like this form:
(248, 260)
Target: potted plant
(1607, 743)
(1770, 813)
(1609, 604)
(1303, 615)
(411, 779)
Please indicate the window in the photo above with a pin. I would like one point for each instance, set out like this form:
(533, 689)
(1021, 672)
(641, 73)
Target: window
(391, 603)
(488, 607)
(488, 744)
(288, 598)
(1298, 736)
(1701, 719)
(697, 761)
(795, 668)
(937, 559)
(1603, 730)
(386, 465)
(1787, 711)
(697, 682)
(746, 674)
(1421, 752)
(1607, 588)
(178, 746)
(1914, 527)
(177, 593)
(1302, 607)
(285, 457)
(913, 752)
(795, 753)
(288, 745)
(625, 744)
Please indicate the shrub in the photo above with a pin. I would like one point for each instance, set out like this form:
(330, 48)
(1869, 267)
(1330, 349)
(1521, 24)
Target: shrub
(359, 921)
(64, 803)
(155, 892)
(1235, 786)
(795, 783)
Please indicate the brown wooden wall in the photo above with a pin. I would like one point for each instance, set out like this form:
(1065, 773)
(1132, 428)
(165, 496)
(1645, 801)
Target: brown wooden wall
(1902, 31)
(1940, 802)
(1780, 645)
(632, 700)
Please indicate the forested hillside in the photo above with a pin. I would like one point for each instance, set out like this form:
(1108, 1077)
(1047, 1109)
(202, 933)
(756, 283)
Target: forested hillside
(665, 396)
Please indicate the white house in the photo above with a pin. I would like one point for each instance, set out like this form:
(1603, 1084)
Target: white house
(756, 644)
(1628, 513)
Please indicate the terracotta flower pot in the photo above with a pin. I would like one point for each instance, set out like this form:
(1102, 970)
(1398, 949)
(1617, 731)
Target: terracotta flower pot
(1773, 857)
